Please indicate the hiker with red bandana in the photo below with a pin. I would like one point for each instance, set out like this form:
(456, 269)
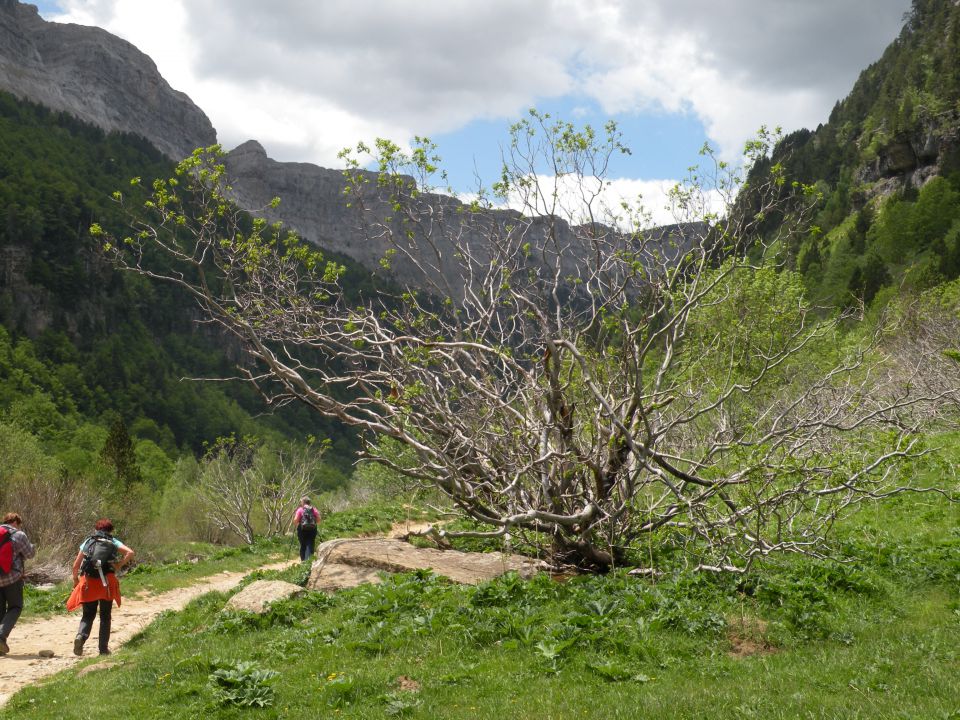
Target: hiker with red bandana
(95, 583)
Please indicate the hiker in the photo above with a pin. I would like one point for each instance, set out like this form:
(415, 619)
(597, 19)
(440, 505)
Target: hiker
(15, 550)
(95, 585)
(306, 518)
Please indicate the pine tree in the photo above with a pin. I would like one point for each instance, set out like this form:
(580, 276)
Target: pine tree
(118, 454)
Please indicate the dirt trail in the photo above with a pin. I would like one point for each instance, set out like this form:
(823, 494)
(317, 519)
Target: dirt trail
(23, 666)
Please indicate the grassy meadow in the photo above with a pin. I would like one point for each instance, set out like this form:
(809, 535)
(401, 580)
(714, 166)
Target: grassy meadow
(872, 634)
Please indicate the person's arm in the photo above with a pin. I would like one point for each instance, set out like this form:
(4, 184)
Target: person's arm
(22, 545)
(296, 518)
(76, 567)
(126, 556)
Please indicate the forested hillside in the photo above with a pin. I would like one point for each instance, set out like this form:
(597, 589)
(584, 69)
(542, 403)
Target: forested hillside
(888, 163)
(88, 354)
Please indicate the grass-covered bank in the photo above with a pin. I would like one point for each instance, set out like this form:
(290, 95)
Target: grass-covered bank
(875, 636)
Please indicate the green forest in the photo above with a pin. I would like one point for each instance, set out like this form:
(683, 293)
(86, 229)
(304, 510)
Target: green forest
(888, 165)
(91, 357)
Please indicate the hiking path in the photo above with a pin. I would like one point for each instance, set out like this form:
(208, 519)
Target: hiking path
(24, 666)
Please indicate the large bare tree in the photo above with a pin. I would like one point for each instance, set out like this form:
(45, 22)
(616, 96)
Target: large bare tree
(573, 379)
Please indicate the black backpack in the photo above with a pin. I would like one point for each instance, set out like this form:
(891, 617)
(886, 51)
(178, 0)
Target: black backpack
(308, 518)
(98, 546)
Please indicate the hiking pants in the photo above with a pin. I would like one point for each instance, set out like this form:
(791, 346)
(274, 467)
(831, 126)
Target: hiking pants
(11, 604)
(307, 537)
(86, 621)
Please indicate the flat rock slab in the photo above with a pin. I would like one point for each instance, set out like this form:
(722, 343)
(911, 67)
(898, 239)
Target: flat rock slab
(347, 563)
(256, 596)
(332, 576)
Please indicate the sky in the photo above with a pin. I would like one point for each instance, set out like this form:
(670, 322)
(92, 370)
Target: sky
(307, 78)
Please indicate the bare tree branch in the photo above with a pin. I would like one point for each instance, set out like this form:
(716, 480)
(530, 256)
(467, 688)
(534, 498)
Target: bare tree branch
(561, 370)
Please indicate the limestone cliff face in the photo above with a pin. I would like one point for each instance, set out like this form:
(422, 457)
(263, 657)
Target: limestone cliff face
(313, 204)
(108, 82)
(98, 78)
(912, 158)
(31, 308)
(311, 199)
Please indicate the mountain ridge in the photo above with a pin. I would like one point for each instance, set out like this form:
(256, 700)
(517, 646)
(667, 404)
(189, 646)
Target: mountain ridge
(98, 78)
(897, 129)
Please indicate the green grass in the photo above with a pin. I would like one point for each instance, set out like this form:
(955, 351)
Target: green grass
(877, 636)
(374, 518)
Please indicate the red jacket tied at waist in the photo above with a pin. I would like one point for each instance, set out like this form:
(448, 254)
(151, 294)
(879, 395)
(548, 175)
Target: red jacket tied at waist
(91, 588)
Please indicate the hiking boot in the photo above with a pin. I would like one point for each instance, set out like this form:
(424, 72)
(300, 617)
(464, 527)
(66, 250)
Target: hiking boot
(78, 645)
(104, 652)
(4, 648)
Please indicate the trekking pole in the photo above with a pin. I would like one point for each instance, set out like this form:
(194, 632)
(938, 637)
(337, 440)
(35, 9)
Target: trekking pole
(100, 570)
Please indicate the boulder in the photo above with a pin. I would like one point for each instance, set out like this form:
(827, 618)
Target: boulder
(346, 563)
(898, 158)
(258, 595)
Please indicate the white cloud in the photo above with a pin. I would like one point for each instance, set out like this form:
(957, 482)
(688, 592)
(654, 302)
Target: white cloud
(627, 203)
(654, 197)
(307, 77)
(739, 64)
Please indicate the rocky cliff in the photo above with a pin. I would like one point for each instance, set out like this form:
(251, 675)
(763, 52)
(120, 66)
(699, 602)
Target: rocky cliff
(313, 204)
(912, 157)
(109, 83)
(98, 78)
(312, 201)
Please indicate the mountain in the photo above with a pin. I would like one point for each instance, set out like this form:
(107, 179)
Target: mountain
(900, 125)
(312, 203)
(898, 130)
(79, 341)
(106, 81)
(98, 78)
(888, 165)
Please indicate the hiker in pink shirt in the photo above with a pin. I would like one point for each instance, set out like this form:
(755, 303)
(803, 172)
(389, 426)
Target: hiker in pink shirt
(306, 518)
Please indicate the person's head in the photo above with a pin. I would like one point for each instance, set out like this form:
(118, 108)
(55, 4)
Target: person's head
(12, 519)
(304, 500)
(103, 525)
